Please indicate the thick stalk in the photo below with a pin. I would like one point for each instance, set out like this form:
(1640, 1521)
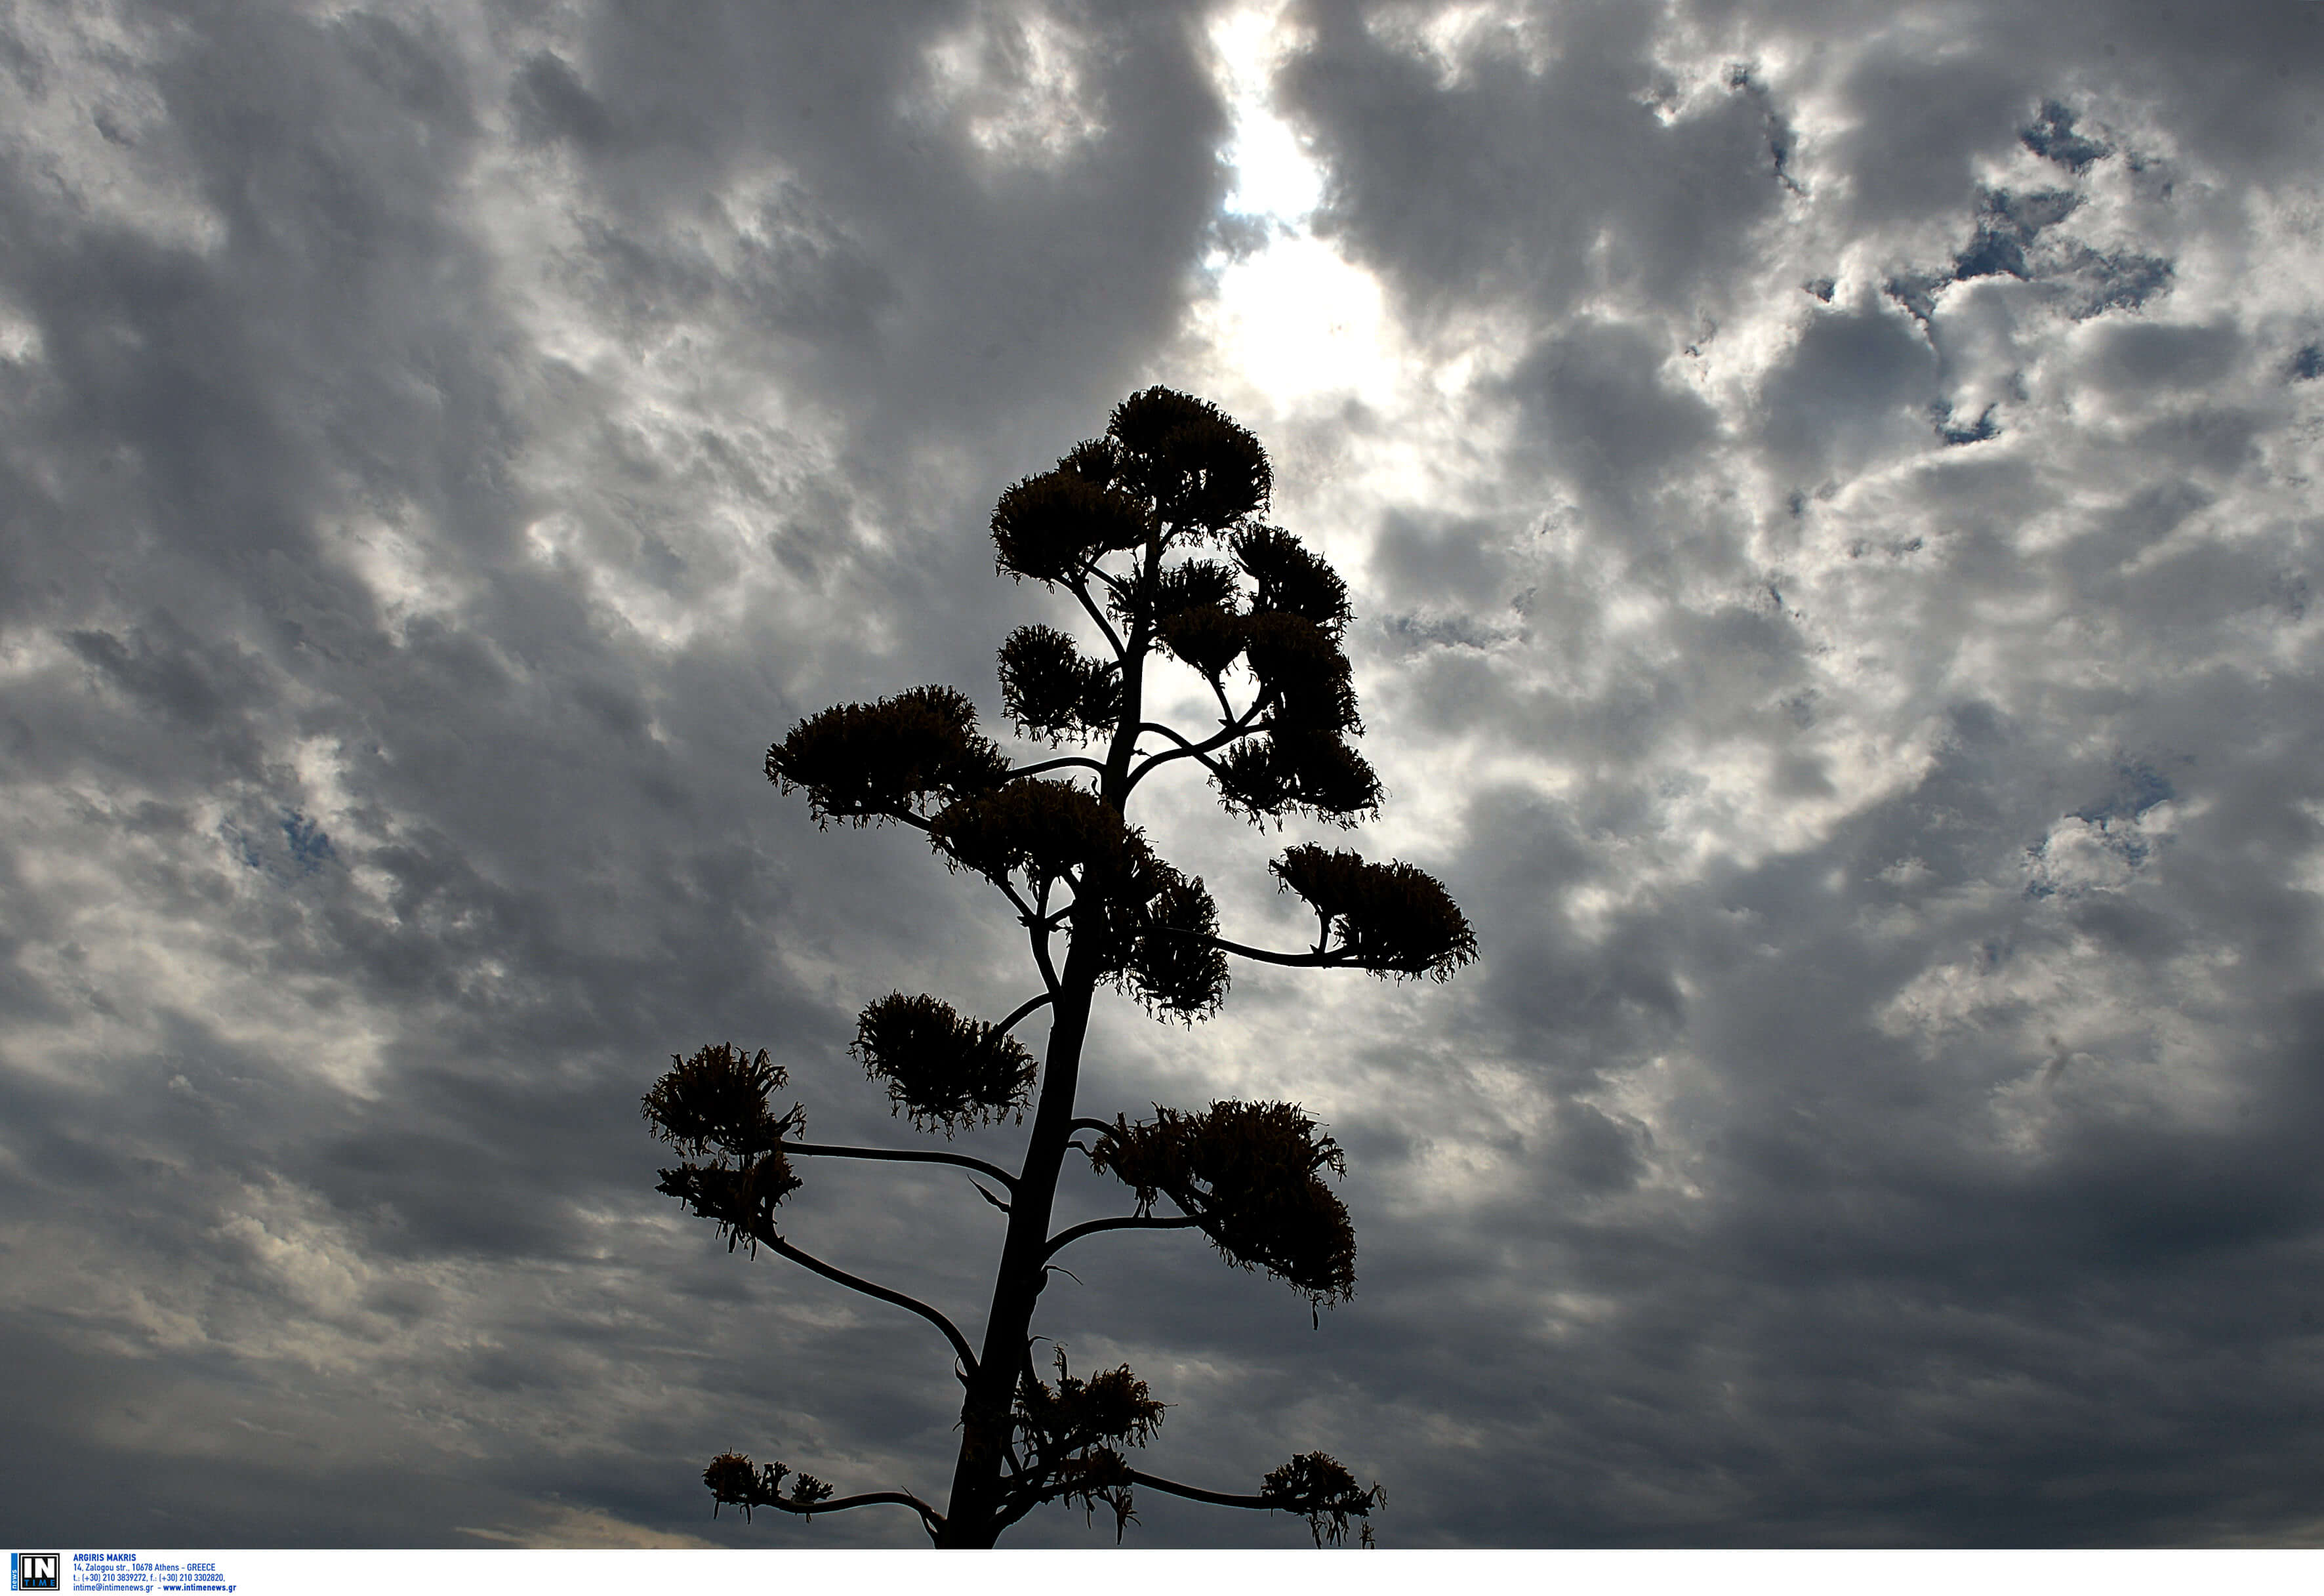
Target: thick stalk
(972, 1517)
(972, 1520)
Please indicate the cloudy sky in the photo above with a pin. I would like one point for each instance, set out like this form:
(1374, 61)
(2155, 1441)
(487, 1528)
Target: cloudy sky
(1829, 491)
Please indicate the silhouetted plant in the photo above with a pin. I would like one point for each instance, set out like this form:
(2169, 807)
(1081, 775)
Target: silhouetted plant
(1171, 474)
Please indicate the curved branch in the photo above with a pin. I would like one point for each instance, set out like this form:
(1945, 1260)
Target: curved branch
(1337, 958)
(1036, 923)
(1059, 763)
(1022, 1010)
(1112, 638)
(1227, 710)
(1195, 1493)
(930, 1520)
(1128, 1223)
(1242, 727)
(1038, 934)
(1083, 1122)
(857, 1283)
(902, 1156)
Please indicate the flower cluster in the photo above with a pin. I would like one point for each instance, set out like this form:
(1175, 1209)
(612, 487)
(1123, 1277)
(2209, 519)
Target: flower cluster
(731, 1477)
(715, 1105)
(862, 762)
(943, 1069)
(1047, 829)
(1050, 690)
(1392, 919)
(1073, 1432)
(1251, 1176)
(1316, 1485)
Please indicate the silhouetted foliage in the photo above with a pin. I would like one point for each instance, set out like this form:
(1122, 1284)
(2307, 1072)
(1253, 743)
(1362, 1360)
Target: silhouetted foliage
(1115, 526)
(1306, 772)
(716, 1102)
(1290, 580)
(1161, 944)
(1251, 1176)
(1069, 1434)
(1052, 690)
(1390, 918)
(1052, 527)
(943, 1069)
(719, 1099)
(862, 762)
(1045, 830)
(1315, 1486)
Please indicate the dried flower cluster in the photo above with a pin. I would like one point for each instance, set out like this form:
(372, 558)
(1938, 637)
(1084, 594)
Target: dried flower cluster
(1052, 690)
(862, 762)
(718, 1101)
(1315, 1485)
(1048, 830)
(1391, 919)
(1198, 469)
(732, 1478)
(1311, 773)
(1071, 1434)
(1251, 1176)
(1054, 527)
(943, 1069)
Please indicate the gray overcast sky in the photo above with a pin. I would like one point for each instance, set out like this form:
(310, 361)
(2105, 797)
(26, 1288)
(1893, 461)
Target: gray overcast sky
(1829, 491)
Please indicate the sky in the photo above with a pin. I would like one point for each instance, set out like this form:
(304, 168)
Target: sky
(1828, 493)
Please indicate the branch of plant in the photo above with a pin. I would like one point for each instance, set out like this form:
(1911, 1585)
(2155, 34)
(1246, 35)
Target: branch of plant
(1113, 639)
(1061, 763)
(930, 1520)
(871, 1288)
(1126, 1223)
(1185, 750)
(900, 1155)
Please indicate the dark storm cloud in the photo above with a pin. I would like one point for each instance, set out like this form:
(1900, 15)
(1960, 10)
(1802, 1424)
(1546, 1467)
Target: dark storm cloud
(1476, 187)
(1594, 397)
(1925, 1176)
(295, 672)
(1854, 388)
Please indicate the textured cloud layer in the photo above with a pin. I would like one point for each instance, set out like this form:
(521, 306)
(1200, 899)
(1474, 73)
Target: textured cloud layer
(1829, 493)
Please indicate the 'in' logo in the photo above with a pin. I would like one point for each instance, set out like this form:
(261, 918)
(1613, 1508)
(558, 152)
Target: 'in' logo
(33, 1570)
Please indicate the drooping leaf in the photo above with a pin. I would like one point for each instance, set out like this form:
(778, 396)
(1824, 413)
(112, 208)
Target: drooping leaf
(942, 1069)
(862, 762)
(1393, 918)
(1250, 1174)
